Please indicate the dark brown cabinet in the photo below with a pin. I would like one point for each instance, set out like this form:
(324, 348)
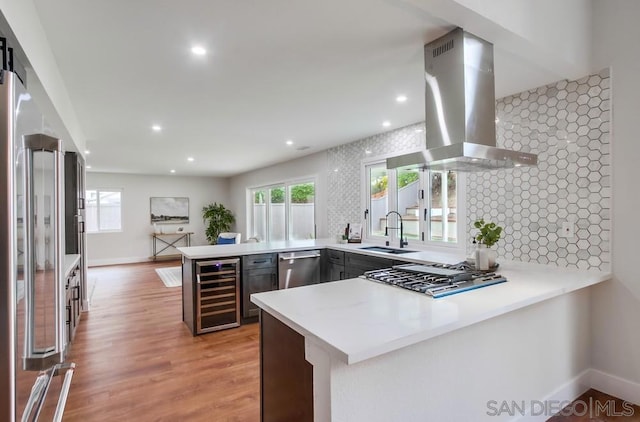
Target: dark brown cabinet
(357, 264)
(334, 265)
(259, 274)
(72, 301)
(286, 378)
(74, 215)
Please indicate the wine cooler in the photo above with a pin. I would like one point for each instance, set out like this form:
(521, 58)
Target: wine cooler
(217, 294)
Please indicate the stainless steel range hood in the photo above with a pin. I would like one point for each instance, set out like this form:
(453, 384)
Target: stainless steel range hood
(460, 109)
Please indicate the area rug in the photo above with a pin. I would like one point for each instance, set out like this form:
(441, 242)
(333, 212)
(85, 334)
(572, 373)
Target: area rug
(170, 276)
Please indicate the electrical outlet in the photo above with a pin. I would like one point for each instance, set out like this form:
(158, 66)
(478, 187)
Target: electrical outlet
(568, 230)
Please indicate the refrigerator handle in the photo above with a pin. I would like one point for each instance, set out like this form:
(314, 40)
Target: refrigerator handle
(64, 393)
(41, 387)
(37, 358)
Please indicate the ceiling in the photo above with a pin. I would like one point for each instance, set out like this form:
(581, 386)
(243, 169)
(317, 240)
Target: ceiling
(319, 73)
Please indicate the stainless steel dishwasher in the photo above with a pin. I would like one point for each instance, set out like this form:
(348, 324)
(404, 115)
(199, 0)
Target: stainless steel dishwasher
(299, 268)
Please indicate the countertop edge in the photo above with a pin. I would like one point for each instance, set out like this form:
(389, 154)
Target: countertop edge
(70, 261)
(372, 352)
(298, 328)
(408, 341)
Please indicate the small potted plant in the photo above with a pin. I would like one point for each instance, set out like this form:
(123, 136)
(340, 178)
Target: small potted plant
(489, 234)
(217, 219)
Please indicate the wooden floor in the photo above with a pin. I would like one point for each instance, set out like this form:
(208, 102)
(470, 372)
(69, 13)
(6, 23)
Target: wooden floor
(136, 360)
(595, 405)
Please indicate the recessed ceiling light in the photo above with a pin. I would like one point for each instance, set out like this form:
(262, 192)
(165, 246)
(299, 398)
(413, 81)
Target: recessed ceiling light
(190, 159)
(86, 151)
(367, 151)
(156, 128)
(88, 167)
(419, 130)
(198, 50)
(289, 142)
(401, 98)
(172, 171)
(386, 123)
(335, 170)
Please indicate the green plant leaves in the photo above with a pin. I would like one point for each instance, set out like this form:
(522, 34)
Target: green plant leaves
(489, 232)
(220, 219)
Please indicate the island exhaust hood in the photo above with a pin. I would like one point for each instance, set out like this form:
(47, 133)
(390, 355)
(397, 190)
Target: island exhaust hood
(460, 109)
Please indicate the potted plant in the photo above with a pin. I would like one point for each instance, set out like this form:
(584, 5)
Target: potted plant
(489, 234)
(218, 219)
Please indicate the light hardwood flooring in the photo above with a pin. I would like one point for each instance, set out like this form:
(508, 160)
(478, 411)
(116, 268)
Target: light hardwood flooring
(136, 360)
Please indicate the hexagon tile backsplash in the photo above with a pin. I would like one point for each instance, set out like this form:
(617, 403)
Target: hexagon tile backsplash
(567, 125)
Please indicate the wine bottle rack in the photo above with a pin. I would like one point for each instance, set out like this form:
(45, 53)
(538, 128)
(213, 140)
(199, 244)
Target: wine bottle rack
(217, 294)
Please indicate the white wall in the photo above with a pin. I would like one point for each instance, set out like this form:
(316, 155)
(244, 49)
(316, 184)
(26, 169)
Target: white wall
(616, 305)
(311, 166)
(20, 20)
(562, 27)
(134, 243)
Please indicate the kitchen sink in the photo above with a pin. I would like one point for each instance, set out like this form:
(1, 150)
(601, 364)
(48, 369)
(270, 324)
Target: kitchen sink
(386, 250)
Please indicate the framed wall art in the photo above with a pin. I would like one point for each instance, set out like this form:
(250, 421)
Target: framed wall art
(169, 210)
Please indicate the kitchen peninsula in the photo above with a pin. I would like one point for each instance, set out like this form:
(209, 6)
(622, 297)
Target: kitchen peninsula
(368, 351)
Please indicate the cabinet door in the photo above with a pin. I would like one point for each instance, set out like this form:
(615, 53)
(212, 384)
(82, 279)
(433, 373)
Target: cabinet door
(357, 264)
(256, 281)
(336, 272)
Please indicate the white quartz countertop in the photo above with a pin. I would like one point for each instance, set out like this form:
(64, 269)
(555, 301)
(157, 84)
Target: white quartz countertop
(359, 319)
(215, 251)
(70, 261)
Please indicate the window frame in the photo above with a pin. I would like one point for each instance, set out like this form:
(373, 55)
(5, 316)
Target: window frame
(424, 226)
(98, 191)
(286, 184)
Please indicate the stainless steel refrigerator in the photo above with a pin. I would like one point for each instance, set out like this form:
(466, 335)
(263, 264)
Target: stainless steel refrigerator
(34, 378)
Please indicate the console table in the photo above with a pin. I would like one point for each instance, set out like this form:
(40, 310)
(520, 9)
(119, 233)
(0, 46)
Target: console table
(164, 241)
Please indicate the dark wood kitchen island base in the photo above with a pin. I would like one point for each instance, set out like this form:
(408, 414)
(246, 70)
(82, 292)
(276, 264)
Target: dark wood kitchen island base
(286, 378)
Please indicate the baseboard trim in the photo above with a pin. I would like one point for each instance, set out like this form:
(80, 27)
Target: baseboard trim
(566, 393)
(572, 389)
(116, 261)
(615, 386)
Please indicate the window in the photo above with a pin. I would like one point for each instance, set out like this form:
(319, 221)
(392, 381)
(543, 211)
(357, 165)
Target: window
(283, 211)
(103, 210)
(426, 200)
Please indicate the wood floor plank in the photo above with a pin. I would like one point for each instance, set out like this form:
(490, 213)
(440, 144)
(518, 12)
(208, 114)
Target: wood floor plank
(136, 360)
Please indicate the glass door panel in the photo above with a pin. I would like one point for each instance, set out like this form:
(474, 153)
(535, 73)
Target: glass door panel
(443, 225)
(259, 215)
(408, 188)
(378, 199)
(277, 219)
(301, 211)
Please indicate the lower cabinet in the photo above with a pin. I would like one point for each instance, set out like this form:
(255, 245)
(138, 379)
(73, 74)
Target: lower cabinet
(286, 378)
(72, 301)
(259, 274)
(357, 264)
(333, 264)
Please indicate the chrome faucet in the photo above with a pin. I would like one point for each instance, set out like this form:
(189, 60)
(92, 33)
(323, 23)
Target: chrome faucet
(403, 242)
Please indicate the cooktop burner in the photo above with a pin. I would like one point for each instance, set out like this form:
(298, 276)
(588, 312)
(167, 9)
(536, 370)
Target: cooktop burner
(436, 280)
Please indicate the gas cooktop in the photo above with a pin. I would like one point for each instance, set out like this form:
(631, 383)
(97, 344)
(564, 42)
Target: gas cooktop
(435, 280)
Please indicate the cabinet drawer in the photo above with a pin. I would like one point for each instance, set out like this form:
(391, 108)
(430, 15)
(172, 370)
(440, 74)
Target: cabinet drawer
(259, 261)
(336, 257)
